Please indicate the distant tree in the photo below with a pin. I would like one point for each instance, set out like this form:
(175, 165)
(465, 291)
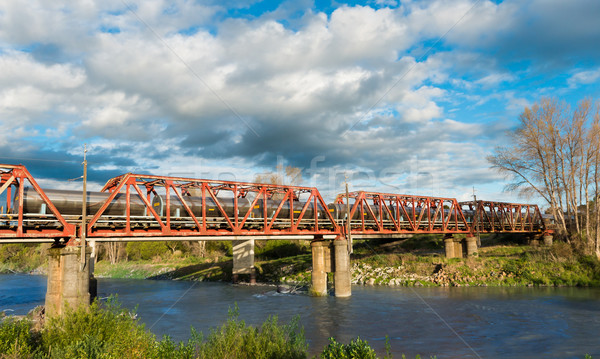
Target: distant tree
(113, 251)
(555, 153)
(291, 176)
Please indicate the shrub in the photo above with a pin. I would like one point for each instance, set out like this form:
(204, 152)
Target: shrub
(219, 247)
(279, 249)
(16, 338)
(271, 341)
(146, 250)
(97, 333)
(357, 349)
(22, 257)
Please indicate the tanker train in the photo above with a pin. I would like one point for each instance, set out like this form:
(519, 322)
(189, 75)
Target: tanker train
(69, 205)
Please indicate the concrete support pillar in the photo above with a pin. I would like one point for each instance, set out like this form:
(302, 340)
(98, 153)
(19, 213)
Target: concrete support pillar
(458, 247)
(548, 240)
(243, 259)
(341, 277)
(534, 241)
(471, 246)
(320, 252)
(449, 246)
(68, 285)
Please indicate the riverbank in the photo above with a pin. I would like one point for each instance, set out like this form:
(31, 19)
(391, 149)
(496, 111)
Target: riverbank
(385, 264)
(418, 261)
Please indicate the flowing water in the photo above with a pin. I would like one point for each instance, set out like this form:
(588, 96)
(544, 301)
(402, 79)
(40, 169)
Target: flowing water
(447, 322)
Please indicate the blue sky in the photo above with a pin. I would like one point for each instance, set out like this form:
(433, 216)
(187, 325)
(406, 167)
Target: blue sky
(405, 97)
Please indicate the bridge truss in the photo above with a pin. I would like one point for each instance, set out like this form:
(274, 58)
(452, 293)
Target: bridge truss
(148, 207)
(375, 213)
(238, 209)
(495, 217)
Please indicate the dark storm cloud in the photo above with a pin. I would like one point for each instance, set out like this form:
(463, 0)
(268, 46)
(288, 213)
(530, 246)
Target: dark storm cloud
(549, 34)
(62, 166)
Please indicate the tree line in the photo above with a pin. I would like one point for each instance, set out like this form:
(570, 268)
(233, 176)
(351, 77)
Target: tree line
(554, 153)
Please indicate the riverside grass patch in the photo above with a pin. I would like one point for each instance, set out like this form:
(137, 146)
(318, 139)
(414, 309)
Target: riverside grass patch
(108, 331)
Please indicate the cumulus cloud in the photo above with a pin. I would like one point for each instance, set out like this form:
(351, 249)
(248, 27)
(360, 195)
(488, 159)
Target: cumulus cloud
(217, 87)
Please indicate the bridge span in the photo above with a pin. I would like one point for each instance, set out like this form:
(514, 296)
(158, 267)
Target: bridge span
(139, 207)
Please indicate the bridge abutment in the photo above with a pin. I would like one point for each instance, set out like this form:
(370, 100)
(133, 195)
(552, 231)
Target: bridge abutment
(68, 285)
(243, 260)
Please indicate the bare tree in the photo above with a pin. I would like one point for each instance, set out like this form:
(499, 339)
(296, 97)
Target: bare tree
(555, 154)
(290, 176)
(113, 250)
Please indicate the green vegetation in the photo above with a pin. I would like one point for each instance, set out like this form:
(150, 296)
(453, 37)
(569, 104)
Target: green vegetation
(21, 257)
(496, 265)
(418, 261)
(112, 332)
(356, 349)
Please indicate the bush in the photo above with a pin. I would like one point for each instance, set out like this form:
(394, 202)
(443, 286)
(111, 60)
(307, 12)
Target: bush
(113, 332)
(219, 247)
(97, 333)
(146, 250)
(271, 341)
(279, 249)
(16, 338)
(357, 349)
(22, 257)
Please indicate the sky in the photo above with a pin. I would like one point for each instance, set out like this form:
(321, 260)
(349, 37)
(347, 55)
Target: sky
(399, 97)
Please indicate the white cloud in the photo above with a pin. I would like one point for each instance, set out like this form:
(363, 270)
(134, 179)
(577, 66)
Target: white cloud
(584, 77)
(166, 85)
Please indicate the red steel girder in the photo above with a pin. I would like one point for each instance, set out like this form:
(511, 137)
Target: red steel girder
(236, 224)
(386, 213)
(504, 217)
(14, 223)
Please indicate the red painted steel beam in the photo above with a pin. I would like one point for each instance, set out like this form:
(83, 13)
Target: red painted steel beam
(16, 176)
(505, 217)
(233, 218)
(387, 213)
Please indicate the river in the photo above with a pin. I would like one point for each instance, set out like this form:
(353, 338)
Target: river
(478, 322)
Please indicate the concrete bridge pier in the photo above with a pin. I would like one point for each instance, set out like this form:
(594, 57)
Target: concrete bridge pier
(68, 285)
(458, 247)
(331, 257)
(342, 278)
(471, 246)
(454, 247)
(548, 240)
(243, 260)
(321, 265)
(533, 240)
(449, 246)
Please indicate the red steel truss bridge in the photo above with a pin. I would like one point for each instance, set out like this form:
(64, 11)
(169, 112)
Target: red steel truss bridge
(146, 207)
